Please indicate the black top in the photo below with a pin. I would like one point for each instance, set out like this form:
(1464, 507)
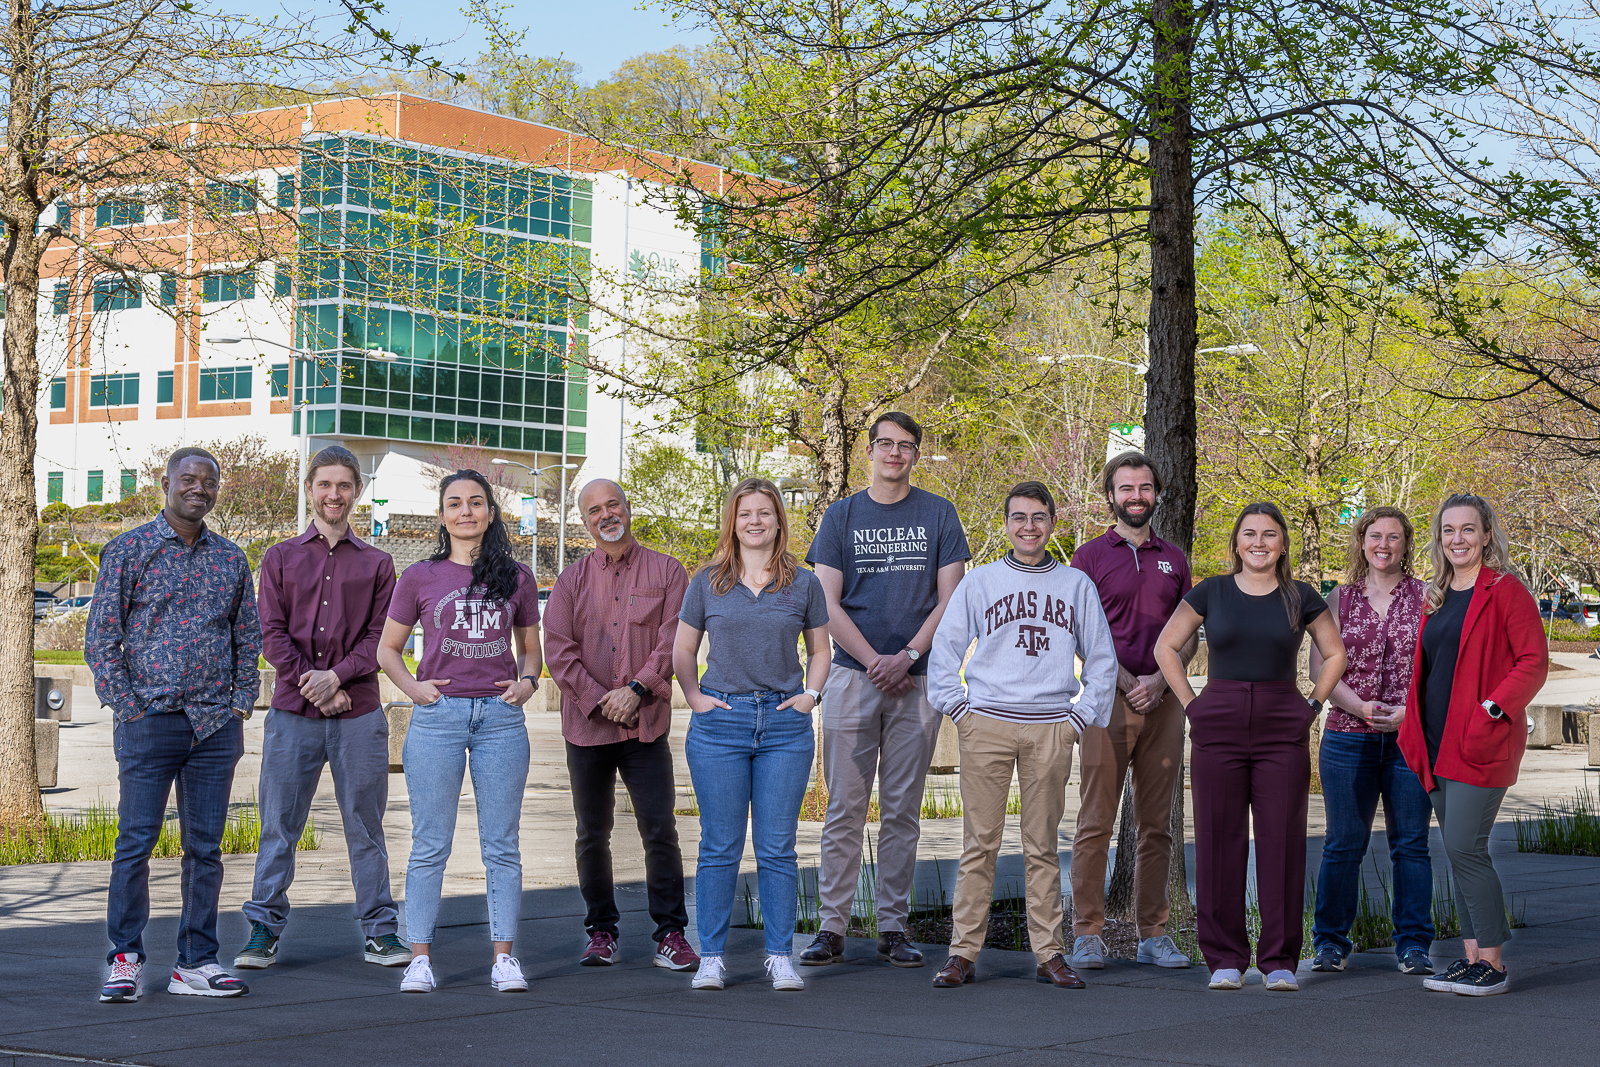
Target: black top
(1248, 637)
(1441, 641)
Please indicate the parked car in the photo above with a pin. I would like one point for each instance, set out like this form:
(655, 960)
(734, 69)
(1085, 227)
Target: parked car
(71, 603)
(43, 603)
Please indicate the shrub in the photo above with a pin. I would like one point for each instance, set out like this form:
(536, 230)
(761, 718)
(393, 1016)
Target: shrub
(61, 633)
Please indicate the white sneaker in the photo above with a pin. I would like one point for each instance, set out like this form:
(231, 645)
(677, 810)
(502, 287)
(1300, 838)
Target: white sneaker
(1227, 978)
(122, 985)
(709, 976)
(418, 977)
(506, 976)
(781, 970)
(1088, 953)
(206, 980)
(1161, 952)
(1283, 981)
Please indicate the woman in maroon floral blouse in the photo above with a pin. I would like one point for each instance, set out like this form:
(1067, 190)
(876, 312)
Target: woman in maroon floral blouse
(1379, 612)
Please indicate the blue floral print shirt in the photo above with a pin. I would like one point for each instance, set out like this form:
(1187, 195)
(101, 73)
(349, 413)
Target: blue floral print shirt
(173, 627)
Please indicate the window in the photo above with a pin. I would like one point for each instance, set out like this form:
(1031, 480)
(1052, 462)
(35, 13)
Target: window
(115, 293)
(130, 484)
(280, 381)
(286, 190)
(163, 387)
(231, 198)
(64, 214)
(97, 486)
(119, 213)
(283, 282)
(61, 298)
(53, 486)
(169, 291)
(58, 394)
(225, 383)
(113, 390)
(222, 288)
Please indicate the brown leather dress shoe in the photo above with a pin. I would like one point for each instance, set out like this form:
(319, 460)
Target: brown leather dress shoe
(825, 948)
(957, 970)
(1055, 971)
(896, 948)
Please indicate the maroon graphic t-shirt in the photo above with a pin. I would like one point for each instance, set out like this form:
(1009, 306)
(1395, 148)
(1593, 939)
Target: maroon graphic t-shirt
(466, 635)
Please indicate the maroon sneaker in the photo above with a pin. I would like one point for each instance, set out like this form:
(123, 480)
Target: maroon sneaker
(674, 953)
(601, 952)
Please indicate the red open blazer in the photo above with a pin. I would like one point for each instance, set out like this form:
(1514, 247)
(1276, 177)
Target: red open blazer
(1503, 658)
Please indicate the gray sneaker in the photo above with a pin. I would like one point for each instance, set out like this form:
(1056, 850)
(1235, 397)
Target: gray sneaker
(1089, 953)
(1161, 952)
(386, 950)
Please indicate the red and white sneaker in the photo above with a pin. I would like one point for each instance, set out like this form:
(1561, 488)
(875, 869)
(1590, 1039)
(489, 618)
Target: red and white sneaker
(601, 950)
(206, 980)
(675, 954)
(122, 986)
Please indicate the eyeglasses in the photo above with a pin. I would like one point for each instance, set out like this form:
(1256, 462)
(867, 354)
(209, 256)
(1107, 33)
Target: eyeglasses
(886, 445)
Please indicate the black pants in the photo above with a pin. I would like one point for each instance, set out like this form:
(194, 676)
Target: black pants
(646, 769)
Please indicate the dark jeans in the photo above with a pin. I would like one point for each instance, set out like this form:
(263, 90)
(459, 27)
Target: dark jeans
(646, 769)
(151, 753)
(1356, 770)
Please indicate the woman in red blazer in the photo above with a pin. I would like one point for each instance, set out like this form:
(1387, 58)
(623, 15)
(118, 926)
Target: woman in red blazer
(1481, 656)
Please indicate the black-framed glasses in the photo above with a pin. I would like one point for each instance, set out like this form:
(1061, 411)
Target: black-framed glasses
(886, 445)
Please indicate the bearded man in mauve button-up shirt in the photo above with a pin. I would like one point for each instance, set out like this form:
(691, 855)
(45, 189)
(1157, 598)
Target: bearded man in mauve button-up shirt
(608, 633)
(324, 598)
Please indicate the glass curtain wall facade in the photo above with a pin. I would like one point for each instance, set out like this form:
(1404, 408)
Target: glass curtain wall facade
(460, 265)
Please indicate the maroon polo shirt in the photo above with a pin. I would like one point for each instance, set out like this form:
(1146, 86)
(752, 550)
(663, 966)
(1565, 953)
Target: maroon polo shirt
(1139, 588)
(323, 609)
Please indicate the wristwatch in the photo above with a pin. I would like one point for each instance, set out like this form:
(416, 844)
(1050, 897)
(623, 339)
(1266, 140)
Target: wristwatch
(534, 678)
(912, 654)
(640, 689)
(816, 697)
(1494, 710)
(1316, 706)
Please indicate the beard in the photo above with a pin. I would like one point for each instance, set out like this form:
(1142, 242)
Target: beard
(612, 534)
(1134, 519)
(340, 513)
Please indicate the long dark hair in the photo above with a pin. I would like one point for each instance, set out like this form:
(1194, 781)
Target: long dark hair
(494, 569)
(1287, 590)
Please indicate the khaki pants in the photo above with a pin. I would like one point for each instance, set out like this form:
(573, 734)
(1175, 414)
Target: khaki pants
(1152, 745)
(867, 734)
(1041, 753)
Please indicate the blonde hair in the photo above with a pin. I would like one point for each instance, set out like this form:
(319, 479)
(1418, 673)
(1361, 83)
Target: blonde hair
(1496, 548)
(1358, 566)
(725, 564)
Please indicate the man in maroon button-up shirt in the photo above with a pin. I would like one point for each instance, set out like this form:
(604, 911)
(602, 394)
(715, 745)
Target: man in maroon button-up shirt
(608, 633)
(324, 598)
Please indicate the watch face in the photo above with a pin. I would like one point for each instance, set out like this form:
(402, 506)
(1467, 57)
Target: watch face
(913, 654)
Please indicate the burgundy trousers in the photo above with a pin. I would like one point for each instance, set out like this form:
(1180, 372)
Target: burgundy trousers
(1250, 761)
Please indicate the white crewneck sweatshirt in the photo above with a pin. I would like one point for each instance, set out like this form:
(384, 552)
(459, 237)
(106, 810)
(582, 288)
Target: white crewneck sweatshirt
(1032, 623)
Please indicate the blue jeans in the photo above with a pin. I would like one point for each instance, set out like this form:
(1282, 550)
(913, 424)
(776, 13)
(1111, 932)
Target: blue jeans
(444, 738)
(1356, 770)
(750, 761)
(152, 752)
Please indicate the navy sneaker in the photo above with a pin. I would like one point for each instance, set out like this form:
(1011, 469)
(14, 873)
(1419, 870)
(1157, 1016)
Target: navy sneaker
(1416, 962)
(1446, 982)
(1328, 958)
(1482, 980)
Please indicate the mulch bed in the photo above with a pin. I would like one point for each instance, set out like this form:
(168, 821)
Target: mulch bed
(1008, 929)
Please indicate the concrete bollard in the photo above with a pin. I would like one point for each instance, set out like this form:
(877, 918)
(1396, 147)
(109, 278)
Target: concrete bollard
(1544, 722)
(269, 681)
(52, 698)
(947, 749)
(47, 750)
(1594, 739)
(398, 714)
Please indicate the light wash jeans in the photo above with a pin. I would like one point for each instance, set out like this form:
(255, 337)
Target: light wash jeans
(443, 739)
(749, 762)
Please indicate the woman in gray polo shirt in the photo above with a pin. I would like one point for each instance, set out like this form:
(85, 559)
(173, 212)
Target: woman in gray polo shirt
(751, 742)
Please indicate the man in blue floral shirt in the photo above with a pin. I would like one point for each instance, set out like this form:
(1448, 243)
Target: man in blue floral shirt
(173, 640)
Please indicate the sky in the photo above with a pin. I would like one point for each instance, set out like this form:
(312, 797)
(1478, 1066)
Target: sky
(596, 34)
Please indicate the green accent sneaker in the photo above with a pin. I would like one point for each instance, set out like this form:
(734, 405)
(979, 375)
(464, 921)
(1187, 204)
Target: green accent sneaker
(260, 952)
(387, 950)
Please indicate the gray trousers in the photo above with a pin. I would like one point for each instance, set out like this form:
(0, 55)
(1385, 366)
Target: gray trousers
(1466, 815)
(292, 754)
(866, 734)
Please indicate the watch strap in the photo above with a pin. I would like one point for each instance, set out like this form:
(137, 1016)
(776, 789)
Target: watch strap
(640, 689)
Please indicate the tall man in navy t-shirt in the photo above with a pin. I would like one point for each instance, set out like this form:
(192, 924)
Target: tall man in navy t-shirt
(889, 559)
(1141, 578)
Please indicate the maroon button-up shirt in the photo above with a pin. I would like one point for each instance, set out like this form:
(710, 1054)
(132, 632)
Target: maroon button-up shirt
(611, 622)
(323, 608)
(1139, 588)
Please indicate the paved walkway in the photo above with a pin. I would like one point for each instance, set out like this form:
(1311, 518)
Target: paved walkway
(321, 1004)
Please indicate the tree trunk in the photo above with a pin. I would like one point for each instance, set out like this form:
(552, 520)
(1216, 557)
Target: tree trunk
(1178, 874)
(833, 451)
(1170, 419)
(1119, 894)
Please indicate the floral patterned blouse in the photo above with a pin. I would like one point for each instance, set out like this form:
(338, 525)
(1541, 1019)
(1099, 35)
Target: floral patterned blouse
(1380, 648)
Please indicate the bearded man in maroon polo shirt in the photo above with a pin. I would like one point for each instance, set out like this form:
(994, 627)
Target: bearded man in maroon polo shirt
(1141, 579)
(324, 598)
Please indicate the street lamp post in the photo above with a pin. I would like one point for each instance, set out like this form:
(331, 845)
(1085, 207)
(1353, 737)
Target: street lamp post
(561, 541)
(301, 356)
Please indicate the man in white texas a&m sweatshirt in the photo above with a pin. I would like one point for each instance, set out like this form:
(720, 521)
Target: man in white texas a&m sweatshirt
(1022, 706)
